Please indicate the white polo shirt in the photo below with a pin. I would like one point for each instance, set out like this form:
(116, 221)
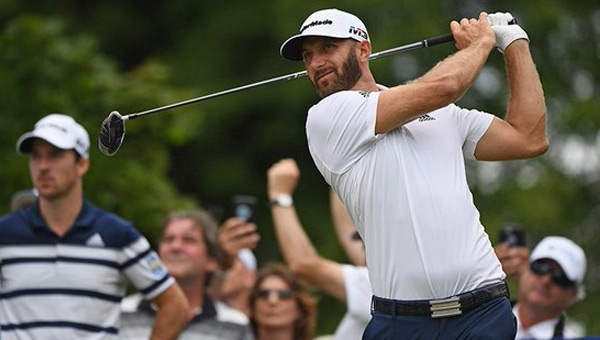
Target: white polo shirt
(358, 303)
(407, 193)
(545, 329)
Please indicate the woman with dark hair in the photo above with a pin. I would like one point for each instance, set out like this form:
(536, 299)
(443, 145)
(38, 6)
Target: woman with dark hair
(281, 306)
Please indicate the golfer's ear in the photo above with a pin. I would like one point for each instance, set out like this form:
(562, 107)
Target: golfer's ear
(363, 50)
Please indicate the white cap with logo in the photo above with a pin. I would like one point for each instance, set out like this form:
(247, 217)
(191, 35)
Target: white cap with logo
(331, 23)
(60, 130)
(565, 252)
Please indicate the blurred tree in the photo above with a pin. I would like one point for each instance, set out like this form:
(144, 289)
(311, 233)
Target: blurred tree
(44, 71)
(222, 147)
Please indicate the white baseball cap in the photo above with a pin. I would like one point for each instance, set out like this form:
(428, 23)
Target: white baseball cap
(565, 252)
(60, 130)
(331, 23)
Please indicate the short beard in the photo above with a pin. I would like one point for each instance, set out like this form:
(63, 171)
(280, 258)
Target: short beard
(351, 73)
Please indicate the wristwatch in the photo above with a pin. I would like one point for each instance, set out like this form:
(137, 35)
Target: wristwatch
(282, 200)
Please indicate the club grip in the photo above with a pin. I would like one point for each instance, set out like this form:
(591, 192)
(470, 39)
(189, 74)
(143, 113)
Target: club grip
(449, 38)
(438, 40)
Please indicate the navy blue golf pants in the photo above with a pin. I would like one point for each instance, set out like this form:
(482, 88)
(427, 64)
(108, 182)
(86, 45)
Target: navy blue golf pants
(492, 320)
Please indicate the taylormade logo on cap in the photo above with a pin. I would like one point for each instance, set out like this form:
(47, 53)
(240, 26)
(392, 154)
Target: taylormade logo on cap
(331, 23)
(60, 130)
(316, 23)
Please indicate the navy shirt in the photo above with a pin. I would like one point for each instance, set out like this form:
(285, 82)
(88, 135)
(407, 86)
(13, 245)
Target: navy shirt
(71, 286)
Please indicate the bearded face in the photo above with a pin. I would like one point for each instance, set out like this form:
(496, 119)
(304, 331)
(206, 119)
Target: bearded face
(332, 79)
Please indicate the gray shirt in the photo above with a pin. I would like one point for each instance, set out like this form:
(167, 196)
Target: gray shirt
(214, 322)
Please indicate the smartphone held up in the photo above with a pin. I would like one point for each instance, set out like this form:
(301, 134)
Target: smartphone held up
(513, 235)
(244, 207)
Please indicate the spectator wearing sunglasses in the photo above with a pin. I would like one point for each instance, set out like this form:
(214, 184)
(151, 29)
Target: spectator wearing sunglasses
(281, 306)
(551, 284)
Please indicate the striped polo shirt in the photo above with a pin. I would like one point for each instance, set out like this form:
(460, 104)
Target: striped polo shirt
(71, 287)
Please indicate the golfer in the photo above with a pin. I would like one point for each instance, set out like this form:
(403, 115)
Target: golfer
(396, 159)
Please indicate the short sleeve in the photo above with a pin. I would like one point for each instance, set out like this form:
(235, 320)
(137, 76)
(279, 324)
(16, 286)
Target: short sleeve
(472, 125)
(144, 269)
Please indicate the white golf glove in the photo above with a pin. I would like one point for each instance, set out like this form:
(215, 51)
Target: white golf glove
(505, 32)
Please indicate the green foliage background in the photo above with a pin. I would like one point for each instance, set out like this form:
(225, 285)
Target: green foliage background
(86, 58)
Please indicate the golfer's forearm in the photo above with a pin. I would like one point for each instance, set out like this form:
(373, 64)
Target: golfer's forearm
(444, 84)
(526, 108)
(457, 73)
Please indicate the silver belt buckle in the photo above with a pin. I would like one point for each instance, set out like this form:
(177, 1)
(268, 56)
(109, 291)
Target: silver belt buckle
(445, 307)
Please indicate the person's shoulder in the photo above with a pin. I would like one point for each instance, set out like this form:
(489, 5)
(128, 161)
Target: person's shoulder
(105, 216)
(339, 103)
(228, 323)
(341, 96)
(16, 225)
(229, 314)
(209, 328)
(445, 109)
(574, 330)
(10, 218)
(113, 228)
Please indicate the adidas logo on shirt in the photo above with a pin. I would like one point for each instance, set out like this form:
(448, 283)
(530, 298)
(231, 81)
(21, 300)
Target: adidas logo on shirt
(95, 241)
(425, 118)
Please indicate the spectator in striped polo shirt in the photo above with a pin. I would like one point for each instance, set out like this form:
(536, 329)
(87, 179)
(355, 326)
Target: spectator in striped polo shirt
(64, 263)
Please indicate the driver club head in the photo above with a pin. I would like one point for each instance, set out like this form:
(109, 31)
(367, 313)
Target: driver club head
(112, 133)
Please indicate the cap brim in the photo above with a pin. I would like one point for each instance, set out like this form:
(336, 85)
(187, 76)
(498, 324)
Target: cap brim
(25, 142)
(291, 48)
(566, 267)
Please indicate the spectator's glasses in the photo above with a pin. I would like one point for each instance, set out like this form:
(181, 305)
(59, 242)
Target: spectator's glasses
(557, 275)
(282, 294)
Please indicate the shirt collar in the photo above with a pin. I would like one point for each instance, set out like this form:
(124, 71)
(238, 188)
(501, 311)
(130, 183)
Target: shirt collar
(208, 309)
(83, 220)
(541, 330)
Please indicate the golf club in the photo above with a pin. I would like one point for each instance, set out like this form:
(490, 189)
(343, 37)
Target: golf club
(112, 130)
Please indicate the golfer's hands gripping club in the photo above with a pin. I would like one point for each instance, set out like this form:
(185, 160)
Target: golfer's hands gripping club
(506, 29)
(112, 132)
(473, 32)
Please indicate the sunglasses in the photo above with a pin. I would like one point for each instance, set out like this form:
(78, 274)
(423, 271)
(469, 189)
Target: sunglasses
(282, 294)
(541, 268)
